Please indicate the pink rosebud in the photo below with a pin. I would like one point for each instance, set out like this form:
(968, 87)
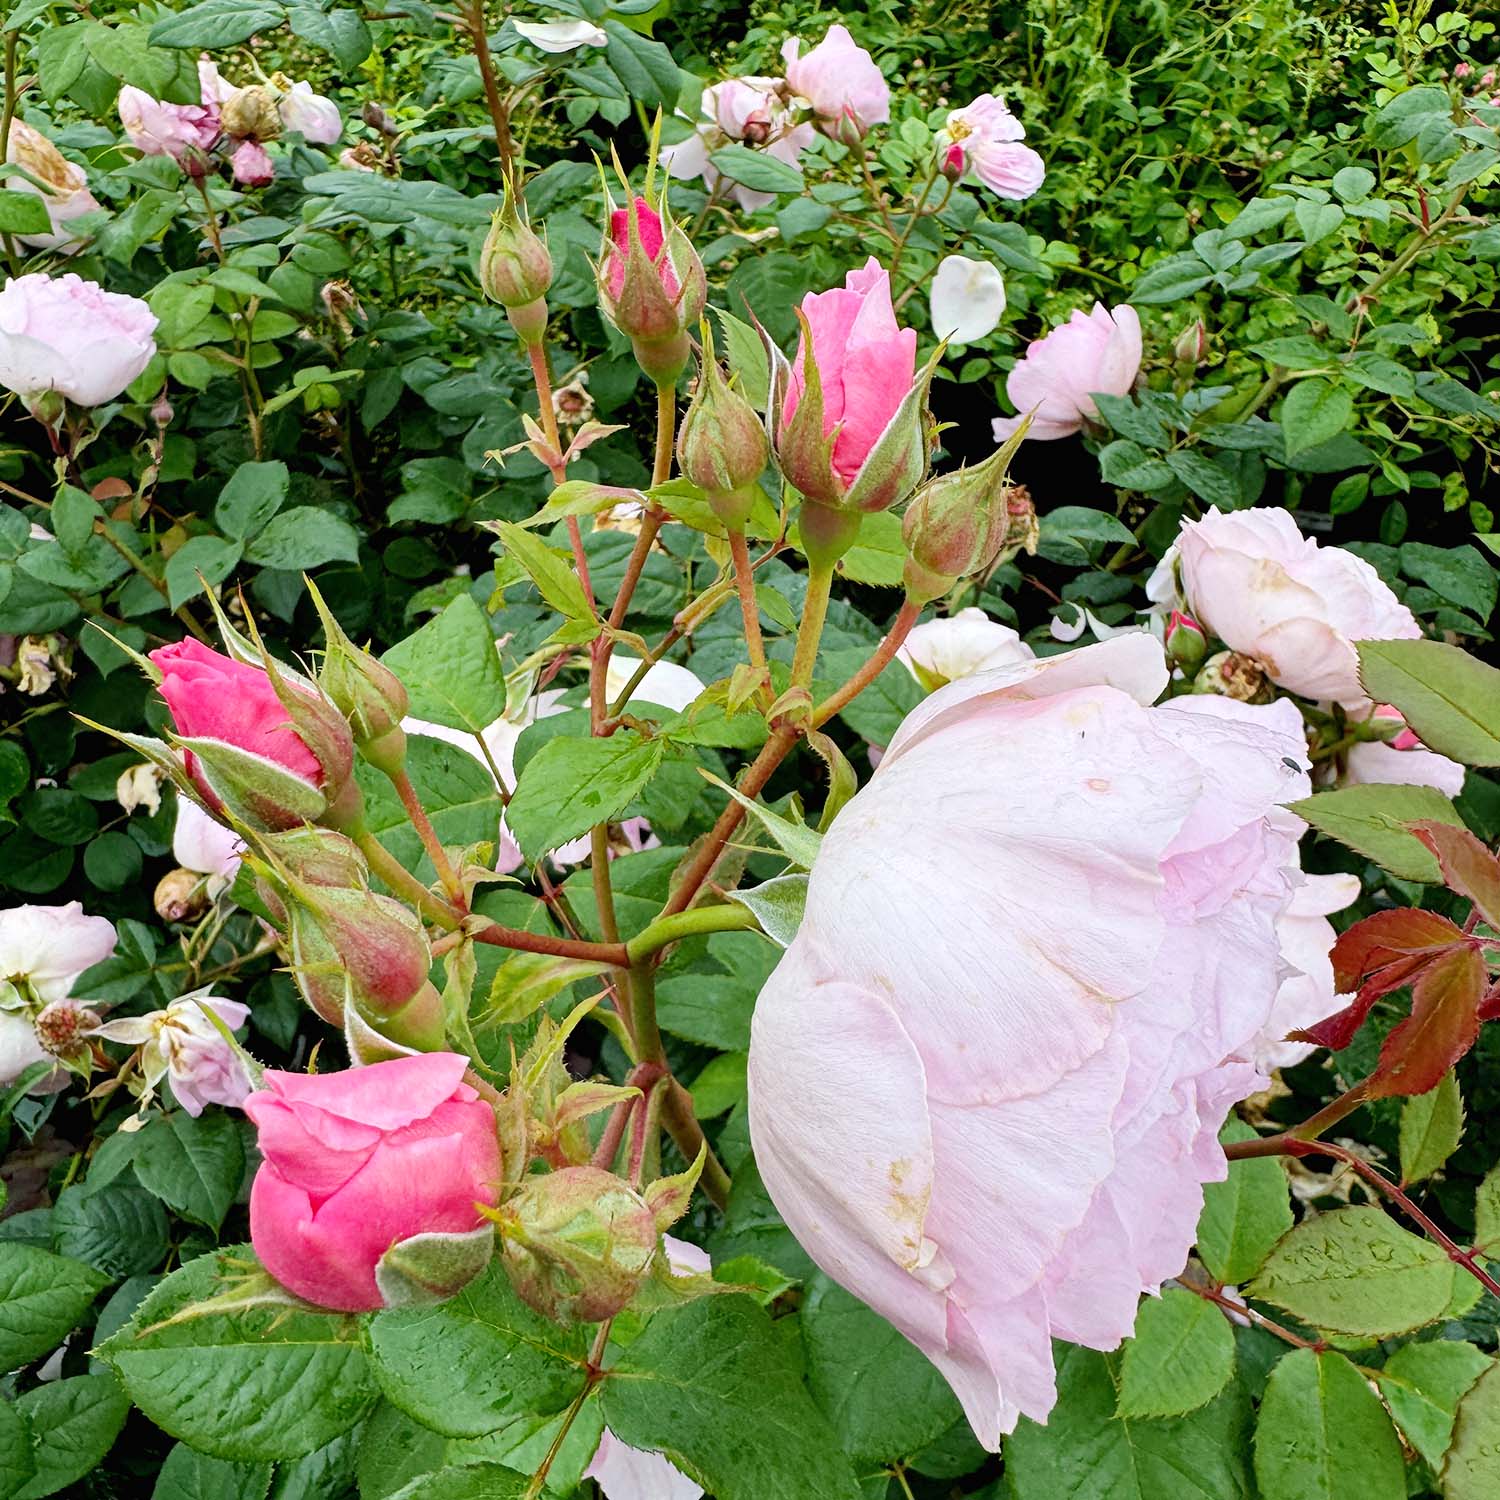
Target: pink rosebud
(841, 82)
(251, 164)
(866, 368)
(1462, 70)
(1277, 597)
(1398, 756)
(648, 223)
(651, 287)
(1017, 1096)
(315, 118)
(159, 129)
(1056, 380)
(65, 334)
(1185, 640)
(1487, 78)
(356, 1162)
(986, 137)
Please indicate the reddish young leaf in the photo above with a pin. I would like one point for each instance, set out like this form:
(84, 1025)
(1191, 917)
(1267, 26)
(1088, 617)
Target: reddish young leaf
(1467, 866)
(1489, 1007)
(1385, 939)
(1338, 1030)
(1443, 1024)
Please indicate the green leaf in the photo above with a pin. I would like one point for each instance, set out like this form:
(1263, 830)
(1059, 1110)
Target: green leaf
(756, 170)
(1170, 280)
(1179, 1358)
(1423, 115)
(263, 1382)
(194, 1166)
(341, 33)
(1431, 1125)
(476, 1481)
(1354, 184)
(43, 1298)
(880, 1393)
(451, 669)
(1322, 1434)
(1487, 1212)
(878, 555)
(1372, 821)
(254, 493)
(714, 1386)
(16, 1462)
(303, 538)
(25, 213)
(463, 1365)
(1356, 1271)
(1314, 412)
(1086, 1452)
(190, 1475)
(1422, 1384)
(216, 23)
(1245, 1215)
(1459, 574)
(119, 1230)
(745, 353)
(550, 571)
(73, 1424)
(571, 784)
(1450, 699)
(1317, 220)
(1471, 1470)
(1209, 481)
(1072, 533)
(212, 557)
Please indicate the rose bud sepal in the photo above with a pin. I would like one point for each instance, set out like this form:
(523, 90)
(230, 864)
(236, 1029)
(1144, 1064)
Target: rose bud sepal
(431, 1268)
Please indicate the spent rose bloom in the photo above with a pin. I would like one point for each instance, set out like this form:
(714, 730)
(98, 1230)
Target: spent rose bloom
(156, 128)
(983, 141)
(866, 365)
(64, 185)
(941, 651)
(749, 110)
(250, 164)
(65, 334)
(841, 82)
(182, 1045)
(967, 298)
(989, 1112)
(1056, 380)
(1272, 594)
(313, 116)
(1401, 759)
(356, 1162)
(561, 36)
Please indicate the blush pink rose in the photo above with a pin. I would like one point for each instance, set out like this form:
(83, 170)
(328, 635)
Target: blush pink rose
(983, 141)
(866, 363)
(356, 1162)
(313, 116)
(159, 129)
(1056, 380)
(65, 334)
(214, 697)
(250, 164)
(1273, 594)
(840, 80)
(988, 1109)
(1402, 759)
(182, 1044)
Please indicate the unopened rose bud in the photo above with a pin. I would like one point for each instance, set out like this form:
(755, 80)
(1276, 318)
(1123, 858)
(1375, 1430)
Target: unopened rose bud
(515, 270)
(378, 118)
(1234, 676)
(955, 164)
(180, 896)
(652, 286)
(62, 1026)
(162, 412)
(251, 113)
(1191, 345)
(369, 695)
(1185, 641)
(577, 1244)
(722, 445)
(1462, 70)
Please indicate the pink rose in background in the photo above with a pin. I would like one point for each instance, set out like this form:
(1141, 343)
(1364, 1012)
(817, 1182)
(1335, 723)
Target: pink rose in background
(1096, 352)
(184, 1046)
(866, 363)
(159, 129)
(65, 334)
(214, 89)
(250, 164)
(617, 251)
(841, 82)
(983, 141)
(315, 118)
(1403, 759)
(941, 651)
(561, 36)
(205, 846)
(64, 185)
(214, 697)
(356, 1162)
(1031, 1067)
(1273, 594)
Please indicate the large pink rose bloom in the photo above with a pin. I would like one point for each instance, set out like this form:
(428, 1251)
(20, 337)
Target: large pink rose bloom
(355, 1162)
(840, 80)
(1039, 950)
(156, 128)
(866, 363)
(65, 334)
(983, 141)
(1056, 380)
(1273, 594)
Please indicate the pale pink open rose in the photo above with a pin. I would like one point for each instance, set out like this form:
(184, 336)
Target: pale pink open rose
(748, 110)
(62, 185)
(988, 1108)
(182, 1044)
(841, 82)
(941, 651)
(356, 1162)
(65, 334)
(1273, 594)
(983, 141)
(156, 128)
(1401, 759)
(1055, 381)
(313, 116)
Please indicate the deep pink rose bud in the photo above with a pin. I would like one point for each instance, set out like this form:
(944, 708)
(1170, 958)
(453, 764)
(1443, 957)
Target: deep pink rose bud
(276, 755)
(359, 1162)
(651, 286)
(722, 444)
(1185, 640)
